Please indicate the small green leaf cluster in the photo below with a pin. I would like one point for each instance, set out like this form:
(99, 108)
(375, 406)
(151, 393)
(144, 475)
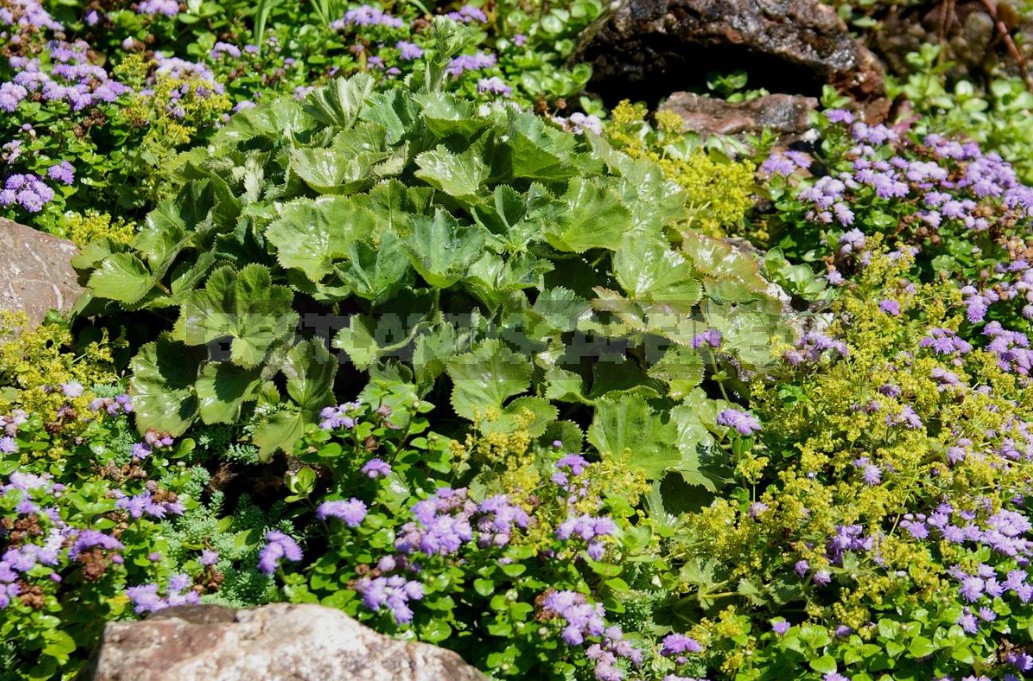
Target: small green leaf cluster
(487, 259)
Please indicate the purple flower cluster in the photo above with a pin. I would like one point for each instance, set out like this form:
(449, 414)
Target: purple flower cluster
(341, 416)
(120, 404)
(27, 191)
(168, 8)
(498, 517)
(580, 618)
(785, 163)
(590, 529)
(470, 62)
(608, 653)
(493, 86)
(677, 645)
(442, 524)
(366, 15)
(144, 503)
(743, 422)
(468, 14)
(945, 342)
(26, 15)
(579, 123)
(67, 76)
(393, 591)
(376, 468)
(1012, 349)
(145, 597)
(711, 337)
(278, 546)
(812, 346)
(352, 511)
(408, 51)
(847, 538)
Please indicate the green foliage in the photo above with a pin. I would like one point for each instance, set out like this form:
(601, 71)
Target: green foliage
(515, 266)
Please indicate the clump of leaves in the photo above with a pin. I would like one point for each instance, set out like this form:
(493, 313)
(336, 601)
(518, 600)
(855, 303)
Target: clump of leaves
(533, 279)
(720, 190)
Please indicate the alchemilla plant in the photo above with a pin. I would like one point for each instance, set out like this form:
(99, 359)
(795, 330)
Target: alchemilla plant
(384, 313)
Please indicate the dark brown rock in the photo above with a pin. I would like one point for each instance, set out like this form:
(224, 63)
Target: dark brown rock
(785, 114)
(280, 642)
(36, 274)
(650, 48)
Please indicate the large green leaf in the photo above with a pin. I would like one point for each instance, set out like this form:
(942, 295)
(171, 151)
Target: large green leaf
(341, 101)
(376, 272)
(485, 378)
(539, 152)
(122, 277)
(310, 371)
(591, 215)
(245, 307)
(527, 414)
(162, 384)
(442, 250)
(222, 389)
(333, 171)
(281, 431)
(312, 234)
(446, 115)
(729, 274)
(626, 423)
(459, 175)
(650, 272)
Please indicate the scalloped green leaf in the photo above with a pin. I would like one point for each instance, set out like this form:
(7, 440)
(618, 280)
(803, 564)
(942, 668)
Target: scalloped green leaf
(162, 384)
(122, 277)
(650, 272)
(312, 234)
(459, 175)
(376, 272)
(590, 215)
(222, 389)
(485, 378)
(310, 371)
(243, 306)
(442, 250)
(340, 102)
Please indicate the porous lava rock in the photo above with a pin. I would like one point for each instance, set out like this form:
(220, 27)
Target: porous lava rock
(279, 642)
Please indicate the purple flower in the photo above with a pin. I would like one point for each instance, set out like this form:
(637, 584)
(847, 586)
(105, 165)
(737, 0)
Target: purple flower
(169, 8)
(208, 557)
(470, 62)
(493, 85)
(711, 337)
(341, 416)
(8, 445)
(580, 617)
(352, 512)
(376, 468)
(11, 94)
(744, 422)
(408, 51)
(366, 15)
(780, 627)
(394, 591)
(890, 307)
(224, 49)
(678, 645)
(278, 546)
(468, 14)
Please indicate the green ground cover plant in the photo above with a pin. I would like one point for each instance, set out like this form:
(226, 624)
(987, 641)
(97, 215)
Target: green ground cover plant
(383, 314)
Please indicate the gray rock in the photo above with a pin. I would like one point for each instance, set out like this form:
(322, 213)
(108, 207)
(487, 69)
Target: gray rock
(36, 274)
(651, 48)
(785, 114)
(279, 642)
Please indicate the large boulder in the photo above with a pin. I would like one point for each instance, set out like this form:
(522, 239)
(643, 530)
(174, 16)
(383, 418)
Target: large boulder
(36, 274)
(280, 642)
(652, 48)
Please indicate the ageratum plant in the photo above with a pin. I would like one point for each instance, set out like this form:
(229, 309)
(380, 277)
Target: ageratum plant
(488, 260)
